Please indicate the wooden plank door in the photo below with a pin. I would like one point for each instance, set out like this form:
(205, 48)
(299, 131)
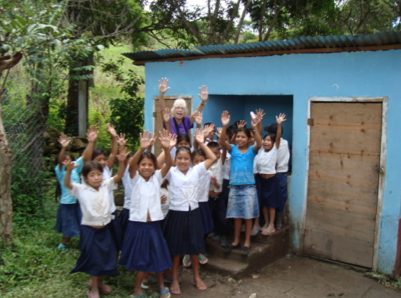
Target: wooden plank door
(343, 178)
(158, 121)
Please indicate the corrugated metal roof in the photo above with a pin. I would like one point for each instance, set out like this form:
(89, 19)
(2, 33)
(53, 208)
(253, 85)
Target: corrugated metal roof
(332, 41)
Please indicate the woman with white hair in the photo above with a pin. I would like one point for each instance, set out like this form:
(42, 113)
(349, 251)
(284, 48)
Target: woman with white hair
(179, 123)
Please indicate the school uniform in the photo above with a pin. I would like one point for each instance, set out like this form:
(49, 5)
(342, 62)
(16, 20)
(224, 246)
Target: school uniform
(183, 227)
(98, 249)
(69, 212)
(115, 226)
(283, 158)
(144, 248)
(203, 200)
(269, 193)
(124, 214)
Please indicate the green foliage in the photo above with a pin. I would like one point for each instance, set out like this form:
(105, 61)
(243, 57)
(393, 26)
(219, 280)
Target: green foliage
(247, 37)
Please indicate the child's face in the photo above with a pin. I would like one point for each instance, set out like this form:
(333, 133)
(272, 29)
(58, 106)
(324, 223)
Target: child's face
(198, 159)
(241, 139)
(183, 161)
(101, 159)
(216, 152)
(94, 178)
(267, 143)
(211, 135)
(146, 168)
(251, 140)
(67, 158)
(184, 143)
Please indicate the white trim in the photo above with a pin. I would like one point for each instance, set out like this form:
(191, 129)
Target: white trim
(384, 101)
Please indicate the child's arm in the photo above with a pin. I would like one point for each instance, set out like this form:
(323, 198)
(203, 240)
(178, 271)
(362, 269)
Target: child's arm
(69, 165)
(122, 156)
(165, 141)
(256, 135)
(280, 119)
(259, 115)
(223, 155)
(145, 139)
(91, 136)
(204, 95)
(198, 120)
(214, 182)
(166, 114)
(225, 120)
(162, 90)
(210, 157)
(114, 146)
(64, 141)
(162, 156)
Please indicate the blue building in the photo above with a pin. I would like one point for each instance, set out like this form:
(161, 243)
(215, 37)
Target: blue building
(342, 98)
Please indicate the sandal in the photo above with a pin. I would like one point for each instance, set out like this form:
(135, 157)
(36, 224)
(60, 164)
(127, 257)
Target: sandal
(144, 284)
(230, 247)
(186, 261)
(245, 250)
(199, 288)
(165, 293)
(174, 292)
(203, 260)
(104, 289)
(255, 232)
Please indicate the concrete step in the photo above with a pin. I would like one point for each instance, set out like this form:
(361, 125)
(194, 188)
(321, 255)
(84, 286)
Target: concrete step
(264, 251)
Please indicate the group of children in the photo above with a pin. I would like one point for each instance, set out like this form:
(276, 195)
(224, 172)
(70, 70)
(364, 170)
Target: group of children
(174, 201)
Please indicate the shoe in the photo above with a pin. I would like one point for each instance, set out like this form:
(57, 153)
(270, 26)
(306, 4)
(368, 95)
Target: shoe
(255, 232)
(165, 293)
(230, 247)
(245, 250)
(186, 261)
(199, 288)
(61, 247)
(224, 241)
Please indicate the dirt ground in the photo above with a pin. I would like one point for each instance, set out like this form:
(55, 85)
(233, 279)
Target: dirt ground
(290, 277)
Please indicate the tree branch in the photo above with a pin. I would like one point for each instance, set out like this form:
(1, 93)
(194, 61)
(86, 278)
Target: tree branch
(248, 3)
(277, 10)
(230, 22)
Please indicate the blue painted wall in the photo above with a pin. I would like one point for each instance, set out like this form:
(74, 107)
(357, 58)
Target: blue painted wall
(299, 76)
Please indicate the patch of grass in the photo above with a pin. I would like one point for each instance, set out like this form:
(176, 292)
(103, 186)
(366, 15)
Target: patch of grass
(34, 267)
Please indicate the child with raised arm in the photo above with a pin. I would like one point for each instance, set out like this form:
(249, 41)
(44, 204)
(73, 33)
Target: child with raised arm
(69, 213)
(98, 249)
(144, 248)
(182, 227)
(242, 200)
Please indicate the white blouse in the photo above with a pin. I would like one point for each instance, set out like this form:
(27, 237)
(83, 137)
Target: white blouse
(265, 162)
(183, 187)
(127, 188)
(146, 198)
(95, 204)
(283, 156)
(203, 187)
(217, 171)
(227, 167)
(107, 174)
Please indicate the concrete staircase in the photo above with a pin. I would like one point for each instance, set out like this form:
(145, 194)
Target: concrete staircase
(264, 251)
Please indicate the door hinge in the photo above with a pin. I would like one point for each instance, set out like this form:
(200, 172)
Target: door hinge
(311, 122)
(154, 114)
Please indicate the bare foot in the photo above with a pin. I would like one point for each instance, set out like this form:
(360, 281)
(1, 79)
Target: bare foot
(268, 231)
(199, 284)
(175, 289)
(90, 294)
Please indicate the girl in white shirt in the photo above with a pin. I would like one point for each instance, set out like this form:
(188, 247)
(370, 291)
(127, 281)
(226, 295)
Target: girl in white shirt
(268, 187)
(144, 248)
(98, 250)
(182, 227)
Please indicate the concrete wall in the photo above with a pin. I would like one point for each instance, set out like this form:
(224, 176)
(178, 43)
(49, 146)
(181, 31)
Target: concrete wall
(300, 76)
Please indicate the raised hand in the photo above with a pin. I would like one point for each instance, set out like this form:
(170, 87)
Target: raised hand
(280, 118)
(122, 154)
(145, 139)
(64, 140)
(198, 117)
(92, 134)
(241, 124)
(173, 140)
(165, 139)
(259, 114)
(121, 140)
(199, 136)
(204, 94)
(219, 130)
(166, 114)
(163, 85)
(111, 130)
(255, 122)
(225, 118)
(70, 165)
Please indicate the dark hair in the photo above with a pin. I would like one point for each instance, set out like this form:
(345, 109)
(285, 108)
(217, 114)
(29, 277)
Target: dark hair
(185, 149)
(272, 137)
(131, 154)
(183, 137)
(149, 155)
(213, 145)
(96, 152)
(89, 166)
(230, 132)
(56, 162)
(199, 152)
(272, 129)
(245, 131)
(209, 123)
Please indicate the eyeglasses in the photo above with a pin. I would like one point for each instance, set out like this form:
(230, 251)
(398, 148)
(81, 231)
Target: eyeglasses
(179, 108)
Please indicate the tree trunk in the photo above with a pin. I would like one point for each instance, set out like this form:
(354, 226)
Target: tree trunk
(6, 206)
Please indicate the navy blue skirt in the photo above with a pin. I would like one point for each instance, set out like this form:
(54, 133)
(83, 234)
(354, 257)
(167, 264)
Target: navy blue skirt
(282, 181)
(98, 252)
(206, 217)
(68, 220)
(270, 194)
(116, 231)
(144, 248)
(183, 232)
(124, 219)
